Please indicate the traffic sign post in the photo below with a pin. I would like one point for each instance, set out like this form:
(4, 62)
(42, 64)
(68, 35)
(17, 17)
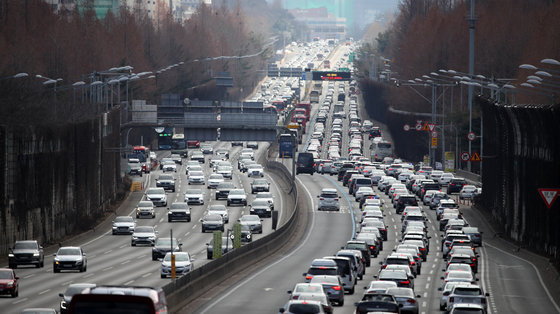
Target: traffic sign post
(406, 127)
(431, 126)
(434, 134)
(475, 157)
(465, 156)
(471, 136)
(418, 126)
(425, 127)
(434, 142)
(549, 196)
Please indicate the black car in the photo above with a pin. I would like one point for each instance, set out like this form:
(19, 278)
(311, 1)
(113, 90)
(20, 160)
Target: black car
(227, 245)
(363, 247)
(428, 187)
(222, 190)
(163, 245)
(179, 211)
(374, 132)
(455, 185)
(406, 200)
(26, 253)
(305, 163)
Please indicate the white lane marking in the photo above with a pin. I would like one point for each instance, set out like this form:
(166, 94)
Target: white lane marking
(89, 275)
(128, 282)
(66, 283)
(431, 271)
(107, 252)
(433, 265)
(29, 276)
(108, 268)
(273, 264)
(146, 275)
(21, 300)
(427, 286)
(429, 278)
(425, 294)
(125, 262)
(424, 304)
(121, 247)
(186, 234)
(536, 271)
(45, 291)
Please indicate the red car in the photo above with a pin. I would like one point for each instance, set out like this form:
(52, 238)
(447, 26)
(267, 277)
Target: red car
(193, 144)
(9, 282)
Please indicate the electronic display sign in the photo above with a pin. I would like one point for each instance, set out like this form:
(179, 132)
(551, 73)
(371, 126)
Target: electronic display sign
(331, 76)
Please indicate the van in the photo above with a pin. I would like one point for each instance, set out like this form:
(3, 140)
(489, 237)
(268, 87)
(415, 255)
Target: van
(357, 260)
(345, 271)
(305, 163)
(119, 299)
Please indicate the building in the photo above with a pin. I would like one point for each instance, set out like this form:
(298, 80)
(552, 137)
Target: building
(321, 23)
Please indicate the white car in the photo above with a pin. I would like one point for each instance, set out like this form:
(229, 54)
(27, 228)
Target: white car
(157, 196)
(194, 196)
(225, 171)
(363, 190)
(237, 196)
(144, 235)
(445, 178)
(467, 192)
(266, 196)
(196, 177)
(255, 170)
(169, 167)
(124, 224)
(183, 264)
(145, 209)
(221, 210)
(214, 180)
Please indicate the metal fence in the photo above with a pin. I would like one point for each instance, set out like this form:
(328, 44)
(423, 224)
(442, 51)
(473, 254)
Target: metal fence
(521, 155)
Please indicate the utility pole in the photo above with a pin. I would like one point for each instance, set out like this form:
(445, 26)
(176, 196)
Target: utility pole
(471, 72)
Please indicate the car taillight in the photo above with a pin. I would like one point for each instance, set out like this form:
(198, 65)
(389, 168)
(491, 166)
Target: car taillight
(371, 247)
(412, 263)
(411, 301)
(406, 282)
(383, 266)
(336, 199)
(472, 265)
(422, 249)
(337, 288)
(295, 297)
(308, 277)
(321, 199)
(451, 299)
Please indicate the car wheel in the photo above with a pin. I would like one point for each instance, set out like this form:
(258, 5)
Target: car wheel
(163, 276)
(351, 291)
(15, 293)
(189, 183)
(222, 229)
(441, 307)
(12, 266)
(203, 230)
(56, 270)
(38, 265)
(209, 255)
(154, 257)
(341, 303)
(228, 204)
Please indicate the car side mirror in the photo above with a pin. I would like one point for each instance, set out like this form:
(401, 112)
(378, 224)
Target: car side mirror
(442, 278)
(61, 295)
(374, 276)
(281, 310)
(289, 292)
(487, 294)
(304, 274)
(180, 244)
(476, 279)
(83, 254)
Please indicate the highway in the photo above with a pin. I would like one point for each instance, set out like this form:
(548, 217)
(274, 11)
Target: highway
(111, 258)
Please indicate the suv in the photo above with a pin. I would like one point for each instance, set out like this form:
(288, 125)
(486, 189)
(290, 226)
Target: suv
(27, 252)
(329, 200)
(179, 211)
(134, 166)
(166, 181)
(321, 266)
(405, 200)
(118, 299)
(164, 245)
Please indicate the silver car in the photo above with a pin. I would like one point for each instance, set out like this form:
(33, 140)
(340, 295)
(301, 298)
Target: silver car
(194, 196)
(183, 264)
(145, 209)
(70, 258)
(144, 235)
(123, 224)
(406, 299)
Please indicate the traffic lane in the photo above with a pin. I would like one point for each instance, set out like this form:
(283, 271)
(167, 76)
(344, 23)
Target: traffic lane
(328, 231)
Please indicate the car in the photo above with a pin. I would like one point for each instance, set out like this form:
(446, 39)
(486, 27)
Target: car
(184, 263)
(123, 224)
(198, 156)
(329, 199)
(27, 252)
(166, 181)
(333, 287)
(237, 196)
(226, 171)
(222, 190)
(446, 291)
(397, 275)
(206, 149)
(214, 180)
(253, 145)
(9, 282)
(302, 306)
(236, 143)
(406, 299)
(169, 166)
(255, 170)
(176, 158)
(70, 258)
(260, 207)
(345, 271)
(193, 144)
(194, 196)
(379, 286)
(220, 210)
(458, 275)
(377, 303)
(38, 310)
(179, 211)
(260, 185)
(71, 290)
(144, 235)
(305, 287)
(145, 209)
(474, 234)
(321, 266)
(134, 166)
(157, 196)
(467, 192)
(196, 177)
(469, 308)
(468, 294)
(227, 245)
(212, 222)
(163, 246)
(246, 234)
(223, 153)
(253, 221)
(455, 185)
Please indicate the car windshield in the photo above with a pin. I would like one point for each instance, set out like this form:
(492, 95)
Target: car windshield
(6, 274)
(308, 288)
(146, 204)
(213, 217)
(467, 311)
(250, 218)
(263, 195)
(216, 176)
(193, 191)
(144, 229)
(68, 251)
(166, 241)
(179, 257)
(236, 192)
(304, 308)
(217, 207)
(179, 206)
(124, 219)
(196, 173)
(72, 290)
(467, 291)
(260, 203)
(155, 191)
(165, 177)
(260, 181)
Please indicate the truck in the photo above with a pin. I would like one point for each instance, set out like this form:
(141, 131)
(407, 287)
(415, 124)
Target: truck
(295, 128)
(314, 96)
(307, 107)
(286, 146)
(301, 120)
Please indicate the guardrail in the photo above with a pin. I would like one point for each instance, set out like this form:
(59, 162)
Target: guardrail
(185, 289)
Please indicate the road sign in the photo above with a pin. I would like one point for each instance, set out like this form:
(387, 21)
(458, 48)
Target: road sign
(465, 156)
(406, 127)
(471, 136)
(418, 121)
(418, 126)
(425, 127)
(434, 133)
(434, 142)
(549, 196)
(475, 157)
(431, 126)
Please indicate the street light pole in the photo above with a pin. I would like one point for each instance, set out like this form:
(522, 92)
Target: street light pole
(471, 72)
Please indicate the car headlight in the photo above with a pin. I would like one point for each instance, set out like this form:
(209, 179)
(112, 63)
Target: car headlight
(10, 284)
(134, 237)
(63, 304)
(10, 255)
(35, 254)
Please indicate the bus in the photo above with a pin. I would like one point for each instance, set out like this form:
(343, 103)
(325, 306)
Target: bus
(142, 153)
(178, 141)
(381, 150)
(314, 96)
(279, 104)
(286, 146)
(327, 64)
(295, 128)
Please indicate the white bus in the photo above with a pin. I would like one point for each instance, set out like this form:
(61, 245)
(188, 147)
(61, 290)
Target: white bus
(381, 150)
